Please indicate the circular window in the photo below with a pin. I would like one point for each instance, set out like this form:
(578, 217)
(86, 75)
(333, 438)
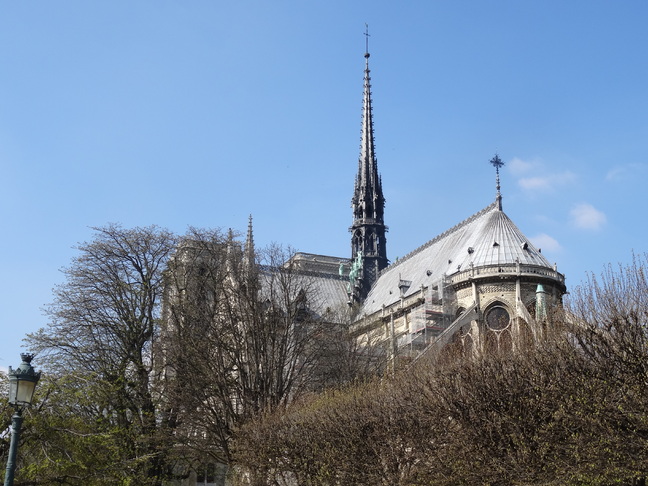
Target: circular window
(497, 318)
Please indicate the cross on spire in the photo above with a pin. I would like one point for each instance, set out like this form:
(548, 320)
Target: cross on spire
(366, 34)
(497, 163)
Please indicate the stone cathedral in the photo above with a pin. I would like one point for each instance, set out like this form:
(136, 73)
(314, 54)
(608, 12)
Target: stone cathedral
(480, 285)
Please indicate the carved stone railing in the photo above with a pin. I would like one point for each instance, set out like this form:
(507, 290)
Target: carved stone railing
(509, 269)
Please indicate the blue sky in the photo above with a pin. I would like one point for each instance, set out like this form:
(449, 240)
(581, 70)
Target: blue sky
(203, 112)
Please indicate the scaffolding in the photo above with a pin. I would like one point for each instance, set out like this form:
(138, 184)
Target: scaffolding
(430, 319)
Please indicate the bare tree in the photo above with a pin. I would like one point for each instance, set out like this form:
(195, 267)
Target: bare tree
(609, 324)
(246, 333)
(103, 322)
(388, 431)
(570, 410)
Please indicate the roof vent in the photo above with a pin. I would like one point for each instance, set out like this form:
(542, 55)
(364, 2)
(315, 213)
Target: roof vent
(449, 262)
(496, 244)
(525, 246)
(428, 273)
(471, 250)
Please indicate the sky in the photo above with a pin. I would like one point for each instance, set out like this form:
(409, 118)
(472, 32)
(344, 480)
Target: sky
(200, 113)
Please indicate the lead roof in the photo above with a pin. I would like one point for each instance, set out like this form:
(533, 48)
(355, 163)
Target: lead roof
(487, 238)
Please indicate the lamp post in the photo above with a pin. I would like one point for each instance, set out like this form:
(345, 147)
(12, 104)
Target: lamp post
(22, 383)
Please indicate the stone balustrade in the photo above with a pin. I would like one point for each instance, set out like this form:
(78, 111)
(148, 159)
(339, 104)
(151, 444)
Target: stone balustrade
(510, 269)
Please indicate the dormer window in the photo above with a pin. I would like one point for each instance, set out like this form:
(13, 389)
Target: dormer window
(495, 244)
(525, 246)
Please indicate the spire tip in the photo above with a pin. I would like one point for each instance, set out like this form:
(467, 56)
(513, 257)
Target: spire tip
(497, 163)
(366, 33)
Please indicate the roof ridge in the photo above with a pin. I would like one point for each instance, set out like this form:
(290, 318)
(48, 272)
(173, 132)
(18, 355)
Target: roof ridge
(330, 276)
(456, 227)
(298, 271)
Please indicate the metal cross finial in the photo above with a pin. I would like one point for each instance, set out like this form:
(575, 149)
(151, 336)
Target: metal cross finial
(366, 40)
(497, 163)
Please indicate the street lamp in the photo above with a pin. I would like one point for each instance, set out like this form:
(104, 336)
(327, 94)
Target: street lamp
(22, 383)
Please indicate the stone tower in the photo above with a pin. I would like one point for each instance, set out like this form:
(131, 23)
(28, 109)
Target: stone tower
(368, 242)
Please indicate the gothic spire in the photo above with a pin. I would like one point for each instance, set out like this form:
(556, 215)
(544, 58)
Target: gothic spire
(368, 183)
(229, 252)
(368, 242)
(250, 270)
(249, 243)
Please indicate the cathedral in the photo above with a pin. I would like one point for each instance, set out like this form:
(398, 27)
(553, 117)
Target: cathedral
(481, 285)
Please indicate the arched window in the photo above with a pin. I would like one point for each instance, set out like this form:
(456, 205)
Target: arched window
(498, 329)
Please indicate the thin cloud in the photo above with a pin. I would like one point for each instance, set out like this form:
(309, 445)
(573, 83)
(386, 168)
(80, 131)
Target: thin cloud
(547, 182)
(535, 183)
(518, 166)
(624, 172)
(533, 176)
(546, 242)
(586, 216)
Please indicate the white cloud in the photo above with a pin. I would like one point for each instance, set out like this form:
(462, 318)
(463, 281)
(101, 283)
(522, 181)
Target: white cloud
(547, 181)
(519, 166)
(586, 216)
(533, 176)
(534, 183)
(545, 242)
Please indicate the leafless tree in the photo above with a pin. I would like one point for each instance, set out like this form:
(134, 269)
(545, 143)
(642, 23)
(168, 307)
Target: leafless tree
(571, 410)
(103, 322)
(247, 333)
(609, 324)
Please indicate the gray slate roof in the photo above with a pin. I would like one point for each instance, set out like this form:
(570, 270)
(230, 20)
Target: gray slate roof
(329, 293)
(488, 237)
(326, 292)
(321, 274)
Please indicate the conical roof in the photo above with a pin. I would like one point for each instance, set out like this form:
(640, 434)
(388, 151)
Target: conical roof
(487, 239)
(496, 240)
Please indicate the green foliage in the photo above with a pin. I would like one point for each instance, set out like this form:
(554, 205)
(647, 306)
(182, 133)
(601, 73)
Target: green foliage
(100, 420)
(134, 393)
